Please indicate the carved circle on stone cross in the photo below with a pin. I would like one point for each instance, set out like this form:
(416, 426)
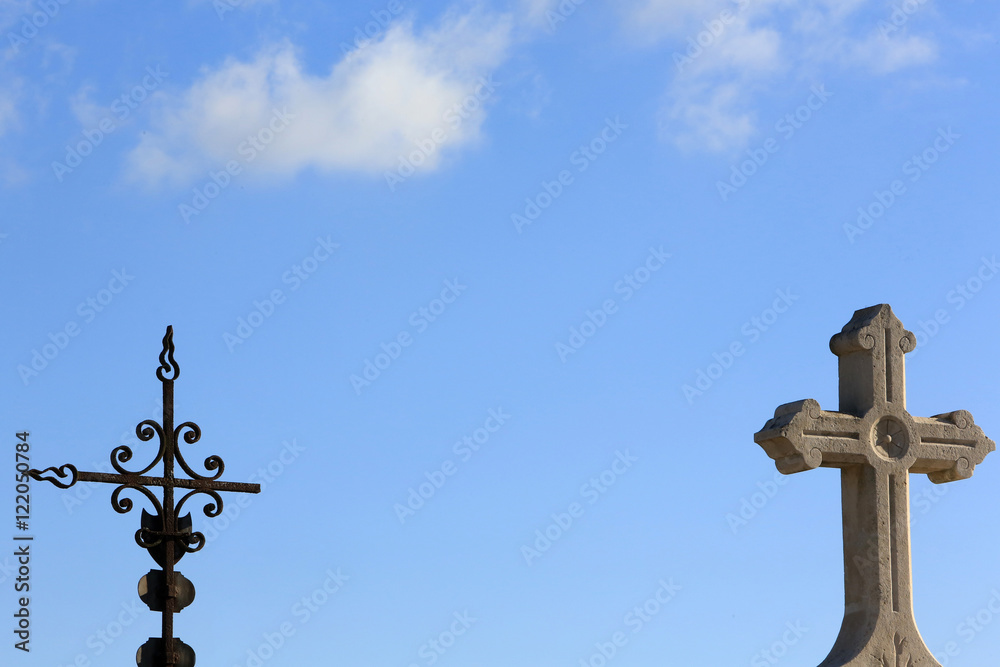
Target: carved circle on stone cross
(891, 439)
(889, 436)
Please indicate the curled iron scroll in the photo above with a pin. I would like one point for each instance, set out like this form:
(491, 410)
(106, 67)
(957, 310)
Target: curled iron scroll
(144, 430)
(191, 436)
(57, 475)
(124, 505)
(211, 509)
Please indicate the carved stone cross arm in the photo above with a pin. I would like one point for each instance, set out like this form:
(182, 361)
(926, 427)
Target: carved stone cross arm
(949, 446)
(802, 436)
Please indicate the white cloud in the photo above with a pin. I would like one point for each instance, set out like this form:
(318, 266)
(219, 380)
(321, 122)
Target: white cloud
(658, 19)
(371, 109)
(535, 12)
(87, 112)
(742, 50)
(729, 52)
(13, 11)
(711, 118)
(9, 95)
(883, 54)
(725, 58)
(224, 7)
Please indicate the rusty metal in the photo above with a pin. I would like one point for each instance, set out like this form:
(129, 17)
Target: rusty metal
(167, 534)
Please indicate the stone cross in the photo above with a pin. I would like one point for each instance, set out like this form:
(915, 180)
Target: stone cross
(876, 443)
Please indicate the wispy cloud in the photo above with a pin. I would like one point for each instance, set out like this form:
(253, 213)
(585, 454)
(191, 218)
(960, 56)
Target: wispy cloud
(533, 11)
(8, 104)
(884, 54)
(728, 53)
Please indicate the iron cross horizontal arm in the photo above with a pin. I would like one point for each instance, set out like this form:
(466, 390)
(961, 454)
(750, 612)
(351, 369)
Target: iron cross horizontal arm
(166, 535)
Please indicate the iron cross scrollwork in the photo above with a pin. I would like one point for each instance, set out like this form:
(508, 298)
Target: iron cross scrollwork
(167, 533)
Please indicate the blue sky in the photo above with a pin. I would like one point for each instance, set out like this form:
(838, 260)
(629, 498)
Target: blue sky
(446, 274)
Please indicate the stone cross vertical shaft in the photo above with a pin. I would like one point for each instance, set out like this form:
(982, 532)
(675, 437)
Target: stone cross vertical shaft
(876, 444)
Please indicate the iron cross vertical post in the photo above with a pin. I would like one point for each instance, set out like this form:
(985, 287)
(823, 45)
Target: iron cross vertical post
(167, 534)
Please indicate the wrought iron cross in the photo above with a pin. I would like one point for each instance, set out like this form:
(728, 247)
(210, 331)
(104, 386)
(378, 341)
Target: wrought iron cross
(876, 444)
(167, 534)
